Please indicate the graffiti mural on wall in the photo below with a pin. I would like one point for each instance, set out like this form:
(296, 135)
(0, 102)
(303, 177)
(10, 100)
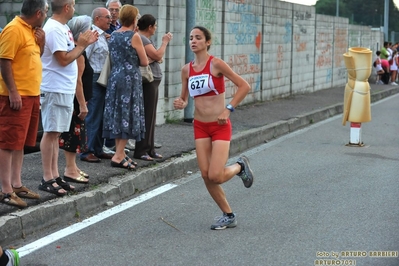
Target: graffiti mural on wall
(288, 32)
(300, 36)
(342, 73)
(247, 66)
(206, 16)
(340, 46)
(280, 57)
(246, 31)
(324, 50)
(299, 45)
(302, 15)
(329, 75)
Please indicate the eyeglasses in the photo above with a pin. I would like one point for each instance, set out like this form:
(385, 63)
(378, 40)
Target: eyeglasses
(107, 17)
(113, 9)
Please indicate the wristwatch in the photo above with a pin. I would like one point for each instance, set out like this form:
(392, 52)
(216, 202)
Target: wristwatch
(230, 107)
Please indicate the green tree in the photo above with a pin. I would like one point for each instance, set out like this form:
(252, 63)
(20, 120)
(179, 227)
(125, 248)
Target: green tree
(329, 7)
(361, 12)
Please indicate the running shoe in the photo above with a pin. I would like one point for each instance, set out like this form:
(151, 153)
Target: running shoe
(224, 222)
(246, 173)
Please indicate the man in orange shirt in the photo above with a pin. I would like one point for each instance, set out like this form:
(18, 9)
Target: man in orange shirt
(21, 45)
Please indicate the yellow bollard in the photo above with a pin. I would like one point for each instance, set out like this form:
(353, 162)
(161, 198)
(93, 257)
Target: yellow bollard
(357, 108)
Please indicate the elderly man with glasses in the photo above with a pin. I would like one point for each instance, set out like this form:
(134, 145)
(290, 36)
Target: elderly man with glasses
(96, 54)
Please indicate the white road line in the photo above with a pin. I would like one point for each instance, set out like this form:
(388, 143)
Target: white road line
(26, 250)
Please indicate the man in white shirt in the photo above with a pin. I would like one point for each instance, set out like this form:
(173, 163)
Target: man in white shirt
(58, 88)
(96, 54)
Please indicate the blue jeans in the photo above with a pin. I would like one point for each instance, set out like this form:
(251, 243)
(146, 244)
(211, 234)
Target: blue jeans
(94, 119)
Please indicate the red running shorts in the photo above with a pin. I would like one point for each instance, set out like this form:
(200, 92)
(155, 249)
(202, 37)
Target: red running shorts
(212, 130)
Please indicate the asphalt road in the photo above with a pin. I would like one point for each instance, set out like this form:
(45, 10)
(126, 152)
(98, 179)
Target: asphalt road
(314, 200)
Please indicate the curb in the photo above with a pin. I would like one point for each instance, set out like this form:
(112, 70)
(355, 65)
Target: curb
(60, 212)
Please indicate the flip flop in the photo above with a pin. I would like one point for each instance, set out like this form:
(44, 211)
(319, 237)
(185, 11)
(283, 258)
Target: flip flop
(146, 158)
(80, 179)
(121, 164)
(82, 173)
(157, 156)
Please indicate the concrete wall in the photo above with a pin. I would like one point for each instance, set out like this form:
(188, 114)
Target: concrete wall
(280, 48)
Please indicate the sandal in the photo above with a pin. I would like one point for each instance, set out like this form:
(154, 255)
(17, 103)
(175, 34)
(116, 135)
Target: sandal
(121, 164)
(48, 187)
(157, 156)
(127, 158)
(82, 173)
(146, 157)
(12, 199)
(80, 179)
(24, 192)
(65, 185)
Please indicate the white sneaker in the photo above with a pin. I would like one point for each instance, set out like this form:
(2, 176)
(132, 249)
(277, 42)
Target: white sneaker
(13, 257)
(380, 82)
(108, 151)
(394, 83)
(131, 144)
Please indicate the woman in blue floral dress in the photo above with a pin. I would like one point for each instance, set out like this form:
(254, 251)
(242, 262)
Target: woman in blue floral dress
(124, 107)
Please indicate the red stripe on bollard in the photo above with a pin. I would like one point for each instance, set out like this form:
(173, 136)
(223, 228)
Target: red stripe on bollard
(356, 125)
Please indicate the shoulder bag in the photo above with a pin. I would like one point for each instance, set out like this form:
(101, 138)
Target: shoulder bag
(146, 74)
(105, 71)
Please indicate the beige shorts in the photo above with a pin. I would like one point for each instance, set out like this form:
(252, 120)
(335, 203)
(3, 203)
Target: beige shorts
(56, 110)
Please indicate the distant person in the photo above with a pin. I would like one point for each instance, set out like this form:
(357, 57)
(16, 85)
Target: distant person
(9, 257)
(378, 68)
(96, 54)
(393, 68)
(21, 74)
(384, 51)
(75, 141)
(114, 7)
(124, 107)
(386, 75)
(390, 51)
(60, 74)
(147, 25)
(203, 79)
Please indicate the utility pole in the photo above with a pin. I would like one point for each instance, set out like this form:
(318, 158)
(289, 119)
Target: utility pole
(190, 23)
(337, 8)
(386, 19)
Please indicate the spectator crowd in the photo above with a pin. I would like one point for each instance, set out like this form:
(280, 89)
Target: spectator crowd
(53, 78)
(386, 64)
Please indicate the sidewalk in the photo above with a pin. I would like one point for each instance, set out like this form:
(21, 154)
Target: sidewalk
(252, 125)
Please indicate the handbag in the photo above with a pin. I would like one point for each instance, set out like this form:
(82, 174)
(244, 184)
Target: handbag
(146, 74)
(105, 71)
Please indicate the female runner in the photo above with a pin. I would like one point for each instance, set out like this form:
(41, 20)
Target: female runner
(203, 79)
